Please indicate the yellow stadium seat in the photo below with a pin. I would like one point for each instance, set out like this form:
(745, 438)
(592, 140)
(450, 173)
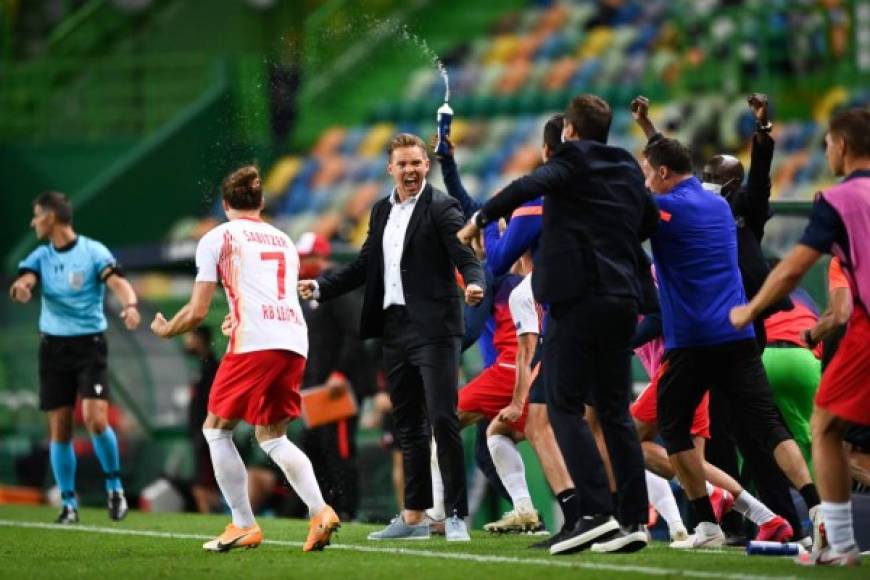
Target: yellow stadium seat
(375, 141)
(281, 175)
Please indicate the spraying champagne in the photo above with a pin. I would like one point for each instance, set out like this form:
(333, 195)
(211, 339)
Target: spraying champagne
(444, 118)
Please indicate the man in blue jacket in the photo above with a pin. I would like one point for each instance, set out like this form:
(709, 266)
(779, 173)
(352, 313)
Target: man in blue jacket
(695, 253)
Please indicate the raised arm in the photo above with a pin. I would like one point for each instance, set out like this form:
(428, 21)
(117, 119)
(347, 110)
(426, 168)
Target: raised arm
(450, 174)
(640, 113)
(753, 201)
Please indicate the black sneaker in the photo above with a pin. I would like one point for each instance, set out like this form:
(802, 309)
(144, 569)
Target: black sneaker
(68, 515)
(589, 530)
(554, 539)
(117, 505)
(628, 539)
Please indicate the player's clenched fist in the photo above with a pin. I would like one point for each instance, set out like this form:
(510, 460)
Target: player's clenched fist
(159, 325)
(306, 289)
(511, 414)
(473, 294)
(20, 291)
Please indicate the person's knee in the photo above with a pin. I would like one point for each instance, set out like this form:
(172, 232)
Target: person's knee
(95, 414)
(269, 432)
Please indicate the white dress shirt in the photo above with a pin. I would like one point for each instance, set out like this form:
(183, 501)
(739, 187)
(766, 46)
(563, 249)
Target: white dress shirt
(394, 245)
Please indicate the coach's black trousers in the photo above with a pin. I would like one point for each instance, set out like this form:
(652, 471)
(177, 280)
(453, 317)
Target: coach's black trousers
(422, 377)
(587, 360)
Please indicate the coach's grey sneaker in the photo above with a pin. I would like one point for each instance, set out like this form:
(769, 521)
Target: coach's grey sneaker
(436, 527)
(455, 529)
(398, 529)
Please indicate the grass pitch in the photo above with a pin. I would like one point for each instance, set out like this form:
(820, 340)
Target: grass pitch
(148, 546)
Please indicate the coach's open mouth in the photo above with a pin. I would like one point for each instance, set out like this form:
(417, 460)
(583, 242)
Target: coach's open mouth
(411, 183)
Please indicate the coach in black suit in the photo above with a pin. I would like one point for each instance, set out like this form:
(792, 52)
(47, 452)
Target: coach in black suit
(412, 300)
(590, 272)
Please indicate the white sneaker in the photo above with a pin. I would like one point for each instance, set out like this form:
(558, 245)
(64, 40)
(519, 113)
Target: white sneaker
(455, 529)
(679, 533)
(820, 539)
(707, 535)
(830, 557)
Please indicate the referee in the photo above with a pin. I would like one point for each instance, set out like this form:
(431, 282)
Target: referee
(74, 271)
(596, 212)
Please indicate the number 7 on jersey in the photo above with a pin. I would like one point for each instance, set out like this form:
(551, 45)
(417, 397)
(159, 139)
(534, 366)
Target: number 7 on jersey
(282, 269)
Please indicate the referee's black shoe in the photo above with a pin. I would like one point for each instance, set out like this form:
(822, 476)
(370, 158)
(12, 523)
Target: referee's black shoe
(117, 505)
(628, 539)
(589, 530)
(67, 515)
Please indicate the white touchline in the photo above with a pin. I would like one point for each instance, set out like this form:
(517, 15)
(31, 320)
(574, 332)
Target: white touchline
(556, 562)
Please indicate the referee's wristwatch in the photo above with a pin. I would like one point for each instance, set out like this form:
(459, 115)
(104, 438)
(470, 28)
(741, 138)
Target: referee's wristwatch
(764, 127)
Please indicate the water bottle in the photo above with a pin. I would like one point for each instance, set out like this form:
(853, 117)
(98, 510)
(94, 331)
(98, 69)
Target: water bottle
(774, 548)
(444, 118)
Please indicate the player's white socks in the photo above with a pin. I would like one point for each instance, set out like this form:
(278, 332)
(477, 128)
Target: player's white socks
(752, 509)
(298, 470)
(509, 465)
(231, 475)
(838, 525)
(661, 496)
(437, 511)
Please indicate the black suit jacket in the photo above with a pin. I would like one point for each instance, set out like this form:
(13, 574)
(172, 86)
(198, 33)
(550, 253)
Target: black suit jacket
(430, 253)
(596, 214)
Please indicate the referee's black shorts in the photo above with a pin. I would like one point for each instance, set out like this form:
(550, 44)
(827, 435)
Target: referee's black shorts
(734, 368)
(71, 366)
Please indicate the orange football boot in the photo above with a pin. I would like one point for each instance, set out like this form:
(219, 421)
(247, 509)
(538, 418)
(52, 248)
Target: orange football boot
(321, 528)
(235, 537)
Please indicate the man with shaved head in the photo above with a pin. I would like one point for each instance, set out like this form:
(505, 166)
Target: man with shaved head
(750, 204)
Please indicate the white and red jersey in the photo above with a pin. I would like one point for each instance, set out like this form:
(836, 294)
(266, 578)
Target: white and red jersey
(258, 266)
(527, 314)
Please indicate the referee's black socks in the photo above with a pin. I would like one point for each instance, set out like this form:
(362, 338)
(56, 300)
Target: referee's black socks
(810, 495)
